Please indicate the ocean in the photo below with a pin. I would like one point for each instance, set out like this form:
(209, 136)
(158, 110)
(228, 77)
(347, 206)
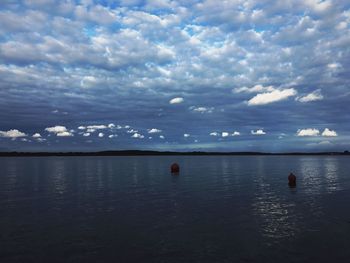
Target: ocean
(132, 209)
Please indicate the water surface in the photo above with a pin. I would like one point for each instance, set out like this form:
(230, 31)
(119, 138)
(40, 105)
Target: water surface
(130, 209)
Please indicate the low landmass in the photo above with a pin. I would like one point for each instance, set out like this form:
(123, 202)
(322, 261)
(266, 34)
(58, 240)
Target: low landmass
(156, 153)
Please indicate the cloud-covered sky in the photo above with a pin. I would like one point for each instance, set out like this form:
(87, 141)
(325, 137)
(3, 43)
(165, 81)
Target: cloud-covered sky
(256, 75)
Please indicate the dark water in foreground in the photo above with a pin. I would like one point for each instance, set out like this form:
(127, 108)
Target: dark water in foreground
(130, 209)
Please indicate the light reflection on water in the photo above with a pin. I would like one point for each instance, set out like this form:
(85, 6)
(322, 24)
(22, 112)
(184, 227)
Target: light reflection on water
(331, 175)
(219, 209)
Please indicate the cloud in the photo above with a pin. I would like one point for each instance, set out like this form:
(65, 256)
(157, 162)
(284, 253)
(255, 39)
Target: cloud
(111, 125)
(64, 134)
(131, 131)
(36, 135)
(81, 128)
(97, 127)
(176, 100)
(112, 136)
(225, 134)
(258, 132)
(308, 132)
(186, 135)
(313, 96)
(254, 89)
(88, 82)
(329, 133)
(333, 66)
(138, 136)
(14, 133)
(236, 133)
(101, 135)
(56, 129)
(154, 130)
(124, 62)
(270, 97)
(321, 143)
(161, 137)
(86, 134)
(202, 109)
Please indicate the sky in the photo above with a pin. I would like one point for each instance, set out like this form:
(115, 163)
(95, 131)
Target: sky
(256, 75)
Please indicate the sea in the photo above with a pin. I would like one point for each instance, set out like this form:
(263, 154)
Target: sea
(132, 209)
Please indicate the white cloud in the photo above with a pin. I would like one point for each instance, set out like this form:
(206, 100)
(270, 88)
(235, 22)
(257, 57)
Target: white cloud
(36, 135)
(313, 96)
(132, 131)
(91, 130)
(282, 135)
(308, 132)
(60, 131)
(202, 109)
(255, 89)
(86, 134)
(112, 136)
(64, 134)
(270, 97)
(81, 128)
(186, 135)
(111, 125)
(236, 133)
(137, 135)
(325, 143)
(176, 100)
(56, 129)
(329, 133)
(154, 130)
(214, 134)
(88, 82)
(162, 137)
(334, 66)
(97, 127)
(322, 143)
(258, 132)
(225, 134)
(101, 134)
(14, 133)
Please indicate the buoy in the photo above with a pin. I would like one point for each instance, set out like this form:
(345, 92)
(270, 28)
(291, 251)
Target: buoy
(292, 180)
(175, 168)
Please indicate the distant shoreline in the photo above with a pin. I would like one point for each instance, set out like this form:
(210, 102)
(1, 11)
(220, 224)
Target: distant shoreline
(160, 153)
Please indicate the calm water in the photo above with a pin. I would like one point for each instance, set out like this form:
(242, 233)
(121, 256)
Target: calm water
(130, 209)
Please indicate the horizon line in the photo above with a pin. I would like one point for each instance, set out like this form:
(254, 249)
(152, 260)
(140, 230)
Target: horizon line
(158, 153)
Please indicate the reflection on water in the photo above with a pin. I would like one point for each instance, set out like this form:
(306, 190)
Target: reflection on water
(130, 209)
(58, 176)
(275, 214)
(331, 174)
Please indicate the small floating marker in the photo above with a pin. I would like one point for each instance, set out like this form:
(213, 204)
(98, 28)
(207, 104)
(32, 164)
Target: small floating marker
(175, 168)
(292, 180)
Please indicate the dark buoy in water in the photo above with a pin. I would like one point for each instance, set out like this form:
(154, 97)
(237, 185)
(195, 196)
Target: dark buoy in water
(175, 168)
(292, 180)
